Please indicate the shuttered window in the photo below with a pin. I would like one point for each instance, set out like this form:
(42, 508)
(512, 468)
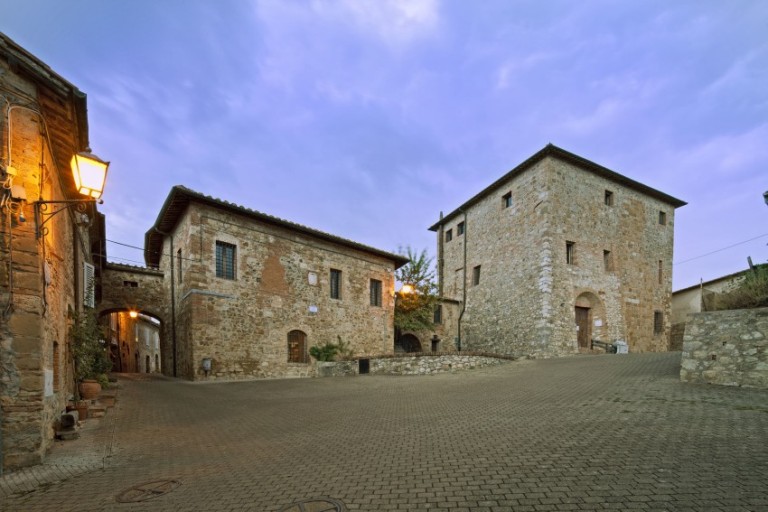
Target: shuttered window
(89, 285)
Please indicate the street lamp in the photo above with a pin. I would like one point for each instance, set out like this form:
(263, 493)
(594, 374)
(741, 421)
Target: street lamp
(765, 197)
(90, 174)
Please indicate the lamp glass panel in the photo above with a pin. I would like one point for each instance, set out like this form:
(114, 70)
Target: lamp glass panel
(89, 175)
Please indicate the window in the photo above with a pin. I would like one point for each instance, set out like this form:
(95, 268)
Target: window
(476, 275)
(661, 271)
(570, 253)
(297, 347)
(335, 284)
(506, 200)
(658, 322)
(663, 218)
(449, 235)
(225, 260)
(460, 229)
(438, 314)
(89, 285)
(608, 198)
(608, 261)
(178, 263)
(375, 292)
(131, 284)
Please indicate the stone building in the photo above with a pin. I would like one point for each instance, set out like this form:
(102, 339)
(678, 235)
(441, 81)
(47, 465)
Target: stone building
(134, 342)
(47, 269)
(251, 293)
(556, 253)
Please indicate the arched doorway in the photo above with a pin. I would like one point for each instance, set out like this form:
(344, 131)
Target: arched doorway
(589, 317)
(297, 347)
(407, 343)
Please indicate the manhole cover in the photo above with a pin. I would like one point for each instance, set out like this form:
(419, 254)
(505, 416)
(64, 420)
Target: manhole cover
(315, 505)
(147, 491)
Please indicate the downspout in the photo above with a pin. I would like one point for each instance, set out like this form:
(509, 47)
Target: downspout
(464, 278)
(440, 261)
(173, 300)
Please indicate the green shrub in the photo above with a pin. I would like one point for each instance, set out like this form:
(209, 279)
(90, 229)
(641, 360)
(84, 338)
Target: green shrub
(88, 348)
(329, 351)
(751, 292)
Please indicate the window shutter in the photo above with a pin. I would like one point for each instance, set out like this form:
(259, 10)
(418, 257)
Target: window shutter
(89, 285)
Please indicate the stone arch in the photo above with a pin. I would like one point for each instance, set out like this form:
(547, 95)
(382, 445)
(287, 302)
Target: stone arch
(407, 343)
(590, 319)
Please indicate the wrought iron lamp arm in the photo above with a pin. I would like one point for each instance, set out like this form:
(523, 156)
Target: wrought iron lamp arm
(42, 216)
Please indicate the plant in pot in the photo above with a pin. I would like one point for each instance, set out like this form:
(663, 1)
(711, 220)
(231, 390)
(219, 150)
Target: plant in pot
(91, 362)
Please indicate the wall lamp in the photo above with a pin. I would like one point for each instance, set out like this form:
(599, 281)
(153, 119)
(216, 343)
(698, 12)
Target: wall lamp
(90, 174)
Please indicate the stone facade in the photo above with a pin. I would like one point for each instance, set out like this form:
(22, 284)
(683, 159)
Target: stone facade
(556, 237)
(43, 268)
(280, 284)
(727, 347)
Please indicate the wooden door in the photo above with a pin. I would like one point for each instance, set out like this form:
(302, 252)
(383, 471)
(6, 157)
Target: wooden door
(297, 350)
(584, 332)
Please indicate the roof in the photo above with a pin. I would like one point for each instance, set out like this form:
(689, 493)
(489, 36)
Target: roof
(561, 154)
(180, 197)
(728, 277)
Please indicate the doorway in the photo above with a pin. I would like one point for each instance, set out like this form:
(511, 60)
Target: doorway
(583, 327)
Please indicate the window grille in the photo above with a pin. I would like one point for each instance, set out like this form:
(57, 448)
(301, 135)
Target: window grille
(375, 292)
(89, 285)
(225, 260)
(335, 284)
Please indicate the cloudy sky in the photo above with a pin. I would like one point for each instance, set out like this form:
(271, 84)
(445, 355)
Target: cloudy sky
(366, 118)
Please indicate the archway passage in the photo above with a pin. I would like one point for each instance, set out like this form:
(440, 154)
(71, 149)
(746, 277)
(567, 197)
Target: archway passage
(133, 339)
(407, 343)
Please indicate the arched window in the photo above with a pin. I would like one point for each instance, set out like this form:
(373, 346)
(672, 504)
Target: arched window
(297, 347)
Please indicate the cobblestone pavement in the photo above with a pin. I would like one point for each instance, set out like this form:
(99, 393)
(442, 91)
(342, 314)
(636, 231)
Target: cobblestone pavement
(582, 433)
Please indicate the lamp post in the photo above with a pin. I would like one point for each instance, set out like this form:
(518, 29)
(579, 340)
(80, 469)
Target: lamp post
(765, 197)
(90, 175)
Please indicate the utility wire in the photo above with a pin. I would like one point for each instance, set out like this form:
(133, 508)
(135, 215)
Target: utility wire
(721, 249)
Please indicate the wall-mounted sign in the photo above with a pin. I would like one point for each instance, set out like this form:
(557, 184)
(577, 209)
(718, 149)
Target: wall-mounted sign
(312, 278)
(313, 309)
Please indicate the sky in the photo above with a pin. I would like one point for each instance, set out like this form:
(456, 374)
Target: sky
(367, 118)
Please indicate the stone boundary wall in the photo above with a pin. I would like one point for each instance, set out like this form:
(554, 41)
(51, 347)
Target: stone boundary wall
(727, 347)
(411, 365)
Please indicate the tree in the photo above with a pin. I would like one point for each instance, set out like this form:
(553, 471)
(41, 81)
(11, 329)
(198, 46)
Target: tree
(414, 308)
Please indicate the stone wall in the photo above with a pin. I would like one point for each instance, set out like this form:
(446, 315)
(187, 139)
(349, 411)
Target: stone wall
(410, 365)
(524, 303)
(727, 347)
(281, 285)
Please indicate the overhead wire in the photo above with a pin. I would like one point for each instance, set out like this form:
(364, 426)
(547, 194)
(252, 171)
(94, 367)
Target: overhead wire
(721, 249)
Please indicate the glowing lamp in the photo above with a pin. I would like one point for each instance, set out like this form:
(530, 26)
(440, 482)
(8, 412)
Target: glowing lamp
(133, 313)
(90, 173)
(407, 288)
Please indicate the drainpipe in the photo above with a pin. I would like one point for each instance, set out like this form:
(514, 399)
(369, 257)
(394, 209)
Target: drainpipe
(464, 278)
(440, 261)
(173, 301)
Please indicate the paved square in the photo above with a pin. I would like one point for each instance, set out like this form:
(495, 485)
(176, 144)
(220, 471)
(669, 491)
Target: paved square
(581, 433)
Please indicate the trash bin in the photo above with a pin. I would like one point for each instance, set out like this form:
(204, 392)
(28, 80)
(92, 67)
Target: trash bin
(621, 347)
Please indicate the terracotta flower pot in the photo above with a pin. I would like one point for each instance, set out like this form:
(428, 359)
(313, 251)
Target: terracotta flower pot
(89, 389)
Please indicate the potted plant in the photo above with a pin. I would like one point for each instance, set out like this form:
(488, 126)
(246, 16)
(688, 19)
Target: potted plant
(91, 362)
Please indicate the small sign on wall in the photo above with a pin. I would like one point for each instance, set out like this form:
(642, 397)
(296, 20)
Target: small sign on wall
(598, 322)
(48, 382)
(313, 309)
(312, 279)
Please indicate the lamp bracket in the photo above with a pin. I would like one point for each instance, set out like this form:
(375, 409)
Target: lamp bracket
(42, 215)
